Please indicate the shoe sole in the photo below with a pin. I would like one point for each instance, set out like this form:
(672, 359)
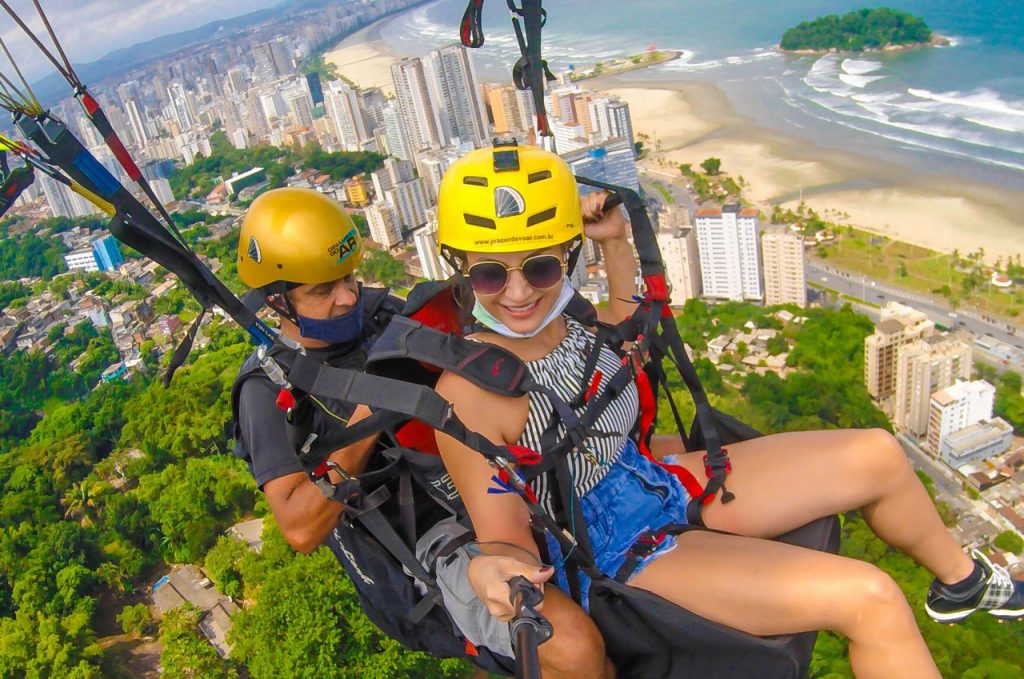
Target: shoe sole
(1007, 614)
(959, 616)
(950, 618)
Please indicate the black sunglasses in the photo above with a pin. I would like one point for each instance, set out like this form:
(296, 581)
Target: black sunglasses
(540, 271)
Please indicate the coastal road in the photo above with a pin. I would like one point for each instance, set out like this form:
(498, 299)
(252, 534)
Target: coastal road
(873, 292)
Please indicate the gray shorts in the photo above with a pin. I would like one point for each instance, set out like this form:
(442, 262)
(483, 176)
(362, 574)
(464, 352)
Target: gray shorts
(469, 614)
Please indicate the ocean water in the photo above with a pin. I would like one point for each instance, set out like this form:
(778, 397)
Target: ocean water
(956, 109)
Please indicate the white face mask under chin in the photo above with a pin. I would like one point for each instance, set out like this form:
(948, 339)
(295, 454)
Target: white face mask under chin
(488, 320)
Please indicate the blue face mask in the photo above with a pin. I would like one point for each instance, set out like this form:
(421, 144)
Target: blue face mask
(488, 320)
(337, 330)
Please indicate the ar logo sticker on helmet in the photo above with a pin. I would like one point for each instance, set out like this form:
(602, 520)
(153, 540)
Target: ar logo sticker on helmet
(254, 252)
(508, 202)
(345, 247)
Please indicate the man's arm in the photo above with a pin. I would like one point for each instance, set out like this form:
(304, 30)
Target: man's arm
(302, 512)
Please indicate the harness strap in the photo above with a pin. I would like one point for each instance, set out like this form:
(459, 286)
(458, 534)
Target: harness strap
(471, 33)
(373, 520)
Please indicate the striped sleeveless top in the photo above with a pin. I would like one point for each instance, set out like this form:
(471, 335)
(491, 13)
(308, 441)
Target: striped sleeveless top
(562, 372)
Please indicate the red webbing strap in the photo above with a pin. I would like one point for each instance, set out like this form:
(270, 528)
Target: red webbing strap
(113, 142)
(657, 288)
(418, 436)
(648, 408)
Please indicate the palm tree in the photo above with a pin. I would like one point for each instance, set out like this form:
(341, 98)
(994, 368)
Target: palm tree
(81, 499)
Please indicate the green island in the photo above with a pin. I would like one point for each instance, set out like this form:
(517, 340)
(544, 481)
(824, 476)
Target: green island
(863, 29)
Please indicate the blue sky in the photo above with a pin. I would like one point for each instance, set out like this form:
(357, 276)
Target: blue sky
(88, 29)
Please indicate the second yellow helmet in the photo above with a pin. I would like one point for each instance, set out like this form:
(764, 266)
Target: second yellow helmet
(508, 199)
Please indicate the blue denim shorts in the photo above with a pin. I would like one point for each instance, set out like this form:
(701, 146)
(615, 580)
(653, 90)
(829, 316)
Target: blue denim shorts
(634, 497)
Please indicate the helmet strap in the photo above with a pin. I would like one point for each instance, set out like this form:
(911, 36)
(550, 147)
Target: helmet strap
(574, 248)
(276, 295)
(457, 260)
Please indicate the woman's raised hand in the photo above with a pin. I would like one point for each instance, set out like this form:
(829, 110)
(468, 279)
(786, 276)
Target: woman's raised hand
(598, 225)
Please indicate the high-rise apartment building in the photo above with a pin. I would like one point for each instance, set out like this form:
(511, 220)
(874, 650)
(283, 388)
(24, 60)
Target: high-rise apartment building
(785, 270)
(957, 407)
(609, 117)
(395, 171)
(138, 128)
(569, 137)
(385, 228)
(434, 267)
(897, 326)
(730, 267)
(922, 368)
(612, 162)
(348, 123)
(677, 240)
(395, 134)
(461, 117)
(272, 60)
(162, 189)
(63, 201)
(414, 103)
(235, 81)
(410, 199)
(372, 103)
(184, 105)
(508, 115)
(300, 104)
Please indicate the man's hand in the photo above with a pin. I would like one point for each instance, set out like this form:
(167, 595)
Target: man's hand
(489, 576)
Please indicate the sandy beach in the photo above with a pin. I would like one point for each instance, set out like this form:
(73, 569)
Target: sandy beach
(365, 59)
(689, 121)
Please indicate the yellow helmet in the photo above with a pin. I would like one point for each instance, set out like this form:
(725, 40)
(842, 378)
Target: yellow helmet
(507, 199)
(297, 236)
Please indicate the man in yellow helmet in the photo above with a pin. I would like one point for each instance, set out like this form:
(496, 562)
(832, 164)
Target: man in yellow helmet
(300, 249)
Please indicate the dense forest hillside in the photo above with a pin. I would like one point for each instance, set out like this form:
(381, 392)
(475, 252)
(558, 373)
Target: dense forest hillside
(859, 30)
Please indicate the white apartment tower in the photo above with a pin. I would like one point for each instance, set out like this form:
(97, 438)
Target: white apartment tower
(135, 120)
(410, 201)
(728, 243)
(346, 116)
(785, 277)
(414, 103)
(63, 201)
(300, 105)
(922, 368)
(461, 116)
(396, 134)
(957, 407)
(609, 117)
(434, 267)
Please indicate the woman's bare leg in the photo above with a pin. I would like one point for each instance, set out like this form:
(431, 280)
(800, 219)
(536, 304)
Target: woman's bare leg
(764, 587)
(576, 649)
(783, 481)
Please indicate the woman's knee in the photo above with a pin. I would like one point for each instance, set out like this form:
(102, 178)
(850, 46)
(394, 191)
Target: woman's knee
(879, 456)
(871, 603)
(575, 647)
